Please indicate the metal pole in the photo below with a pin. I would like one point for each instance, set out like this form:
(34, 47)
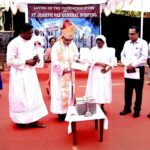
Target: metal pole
(142, 17)
(100, 15)
(26, 13)
(71, 76)
(12, 22)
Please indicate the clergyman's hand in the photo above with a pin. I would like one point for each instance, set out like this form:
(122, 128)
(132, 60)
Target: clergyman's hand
(66, 71)
(36, 58)
(31, 62)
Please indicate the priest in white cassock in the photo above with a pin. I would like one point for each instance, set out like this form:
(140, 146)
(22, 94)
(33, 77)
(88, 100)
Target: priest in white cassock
(37, 37)
(39, 50)
(99, 84)
(64, 53)
(26, 104)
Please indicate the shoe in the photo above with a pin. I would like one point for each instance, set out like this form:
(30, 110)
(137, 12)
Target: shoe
(124, 112)
(148, 116)
(104, 111)
(21, 125)
(136, 114)
(36, 124)
(47, 90)
(61, 117)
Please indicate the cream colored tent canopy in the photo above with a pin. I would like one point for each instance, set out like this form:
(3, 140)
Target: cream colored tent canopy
(14, 5)
(139, 5)
(109, 5)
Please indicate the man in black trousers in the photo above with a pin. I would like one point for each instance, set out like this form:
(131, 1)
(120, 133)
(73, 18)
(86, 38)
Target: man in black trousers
(134, 56)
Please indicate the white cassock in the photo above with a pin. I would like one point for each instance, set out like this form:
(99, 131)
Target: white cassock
(39, 50)
(26, 102)
(38, 38)
(99, 85)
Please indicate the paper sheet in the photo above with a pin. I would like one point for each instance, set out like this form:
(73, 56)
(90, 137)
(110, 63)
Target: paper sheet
(80, 66)
(135, 75)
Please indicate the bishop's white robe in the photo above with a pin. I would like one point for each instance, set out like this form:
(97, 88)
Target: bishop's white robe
(99, 85)
(26, 102)
(61, 58)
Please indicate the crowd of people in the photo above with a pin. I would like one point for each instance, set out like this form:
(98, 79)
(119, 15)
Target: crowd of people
(26, 103)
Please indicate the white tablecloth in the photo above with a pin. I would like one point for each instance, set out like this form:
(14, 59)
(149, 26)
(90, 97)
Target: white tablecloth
(72, 116)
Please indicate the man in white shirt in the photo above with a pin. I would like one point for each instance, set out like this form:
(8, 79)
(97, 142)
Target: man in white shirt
(134, 56)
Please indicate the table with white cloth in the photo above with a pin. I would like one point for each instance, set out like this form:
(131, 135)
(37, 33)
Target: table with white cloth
(72, 117)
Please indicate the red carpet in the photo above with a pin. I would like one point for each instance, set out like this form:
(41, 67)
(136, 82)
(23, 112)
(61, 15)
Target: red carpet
(124, 132)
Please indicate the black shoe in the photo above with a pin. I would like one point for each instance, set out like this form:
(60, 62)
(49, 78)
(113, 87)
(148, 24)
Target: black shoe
(36, 124)
(148, 116)
(104, 111)
(136, 114)
(124, 112)
(21, 125)
(61, 117)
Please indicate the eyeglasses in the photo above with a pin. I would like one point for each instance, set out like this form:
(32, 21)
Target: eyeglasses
(68, 40)
(37, 43)
(131, 33)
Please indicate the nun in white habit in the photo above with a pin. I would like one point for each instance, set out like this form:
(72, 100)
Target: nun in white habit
(99, 83)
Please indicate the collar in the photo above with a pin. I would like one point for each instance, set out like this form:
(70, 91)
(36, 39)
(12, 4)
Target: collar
(136, 42)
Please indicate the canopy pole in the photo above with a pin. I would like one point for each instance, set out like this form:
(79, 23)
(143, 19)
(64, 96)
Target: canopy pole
(12, 22)
(142, 17)
(100, 20)
(26, 13)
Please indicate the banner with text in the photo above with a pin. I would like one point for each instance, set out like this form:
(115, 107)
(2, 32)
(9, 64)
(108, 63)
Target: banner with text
(49, 19)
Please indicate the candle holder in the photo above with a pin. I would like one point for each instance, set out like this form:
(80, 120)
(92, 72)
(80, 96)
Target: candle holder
(88, 113)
